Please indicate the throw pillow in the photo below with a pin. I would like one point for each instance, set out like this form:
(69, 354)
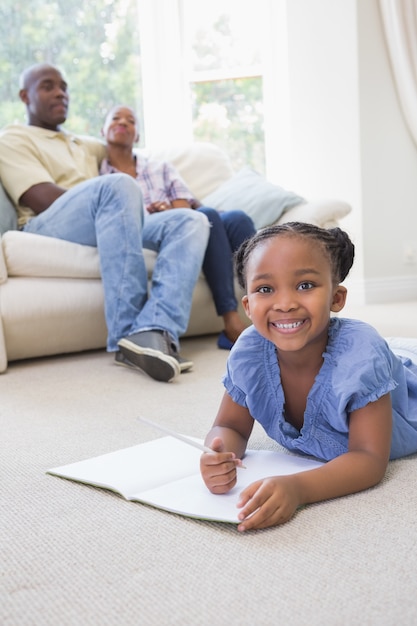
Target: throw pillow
(250, 192)
(8, 216)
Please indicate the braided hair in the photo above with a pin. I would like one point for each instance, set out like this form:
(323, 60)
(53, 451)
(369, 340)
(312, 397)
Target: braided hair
(334, 242)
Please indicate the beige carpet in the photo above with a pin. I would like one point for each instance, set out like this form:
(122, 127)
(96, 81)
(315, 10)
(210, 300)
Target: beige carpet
(75, 555)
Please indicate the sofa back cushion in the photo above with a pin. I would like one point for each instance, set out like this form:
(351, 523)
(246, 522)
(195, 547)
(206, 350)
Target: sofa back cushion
(250, 192)
(203, 166)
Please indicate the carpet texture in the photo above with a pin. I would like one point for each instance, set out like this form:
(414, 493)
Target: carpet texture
(74, 555)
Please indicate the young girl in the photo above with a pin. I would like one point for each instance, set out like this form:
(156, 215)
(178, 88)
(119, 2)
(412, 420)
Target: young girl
(321, 386)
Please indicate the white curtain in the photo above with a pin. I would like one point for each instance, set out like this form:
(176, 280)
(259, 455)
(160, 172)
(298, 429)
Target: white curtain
(399, 19)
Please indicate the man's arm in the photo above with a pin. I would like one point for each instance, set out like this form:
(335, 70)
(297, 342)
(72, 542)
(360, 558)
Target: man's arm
(40, 197)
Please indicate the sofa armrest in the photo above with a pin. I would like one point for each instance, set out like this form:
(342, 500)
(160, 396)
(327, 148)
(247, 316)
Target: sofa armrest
(3, 266)
(324, 213)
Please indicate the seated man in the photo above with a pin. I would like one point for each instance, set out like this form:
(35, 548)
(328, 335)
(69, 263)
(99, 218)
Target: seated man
(52, 176)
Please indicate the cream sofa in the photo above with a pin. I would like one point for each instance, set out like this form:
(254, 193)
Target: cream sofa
(51, 296)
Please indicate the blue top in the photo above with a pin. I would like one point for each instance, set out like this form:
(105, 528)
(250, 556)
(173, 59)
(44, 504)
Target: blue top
(358, 368)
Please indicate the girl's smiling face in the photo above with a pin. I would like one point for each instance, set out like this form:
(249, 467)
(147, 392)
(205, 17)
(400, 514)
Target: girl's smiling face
(291, 292)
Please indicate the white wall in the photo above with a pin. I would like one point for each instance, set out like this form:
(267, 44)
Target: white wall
(347, 138)
(333, 122)
(389, 168)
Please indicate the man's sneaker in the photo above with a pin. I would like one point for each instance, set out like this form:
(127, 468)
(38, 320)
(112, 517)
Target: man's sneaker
(185, 364)
(120, 359)
(153, 352)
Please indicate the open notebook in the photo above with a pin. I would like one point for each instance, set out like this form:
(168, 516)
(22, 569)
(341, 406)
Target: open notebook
(165, 473)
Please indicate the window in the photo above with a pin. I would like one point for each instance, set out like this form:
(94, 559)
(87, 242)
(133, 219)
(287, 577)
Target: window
(95, 43)
(223, 50)
(192, 70)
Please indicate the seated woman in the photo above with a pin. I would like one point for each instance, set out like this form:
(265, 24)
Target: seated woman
(162, 189)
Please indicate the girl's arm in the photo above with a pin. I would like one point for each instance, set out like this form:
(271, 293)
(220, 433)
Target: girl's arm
(228, 439)
(365, 463)
(274, 500)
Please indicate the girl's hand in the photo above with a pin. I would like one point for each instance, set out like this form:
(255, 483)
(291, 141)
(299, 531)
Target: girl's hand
(218, 469)
(268, 502)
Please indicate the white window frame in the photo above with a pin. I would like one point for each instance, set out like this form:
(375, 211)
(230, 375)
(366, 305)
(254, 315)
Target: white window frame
(166, 92)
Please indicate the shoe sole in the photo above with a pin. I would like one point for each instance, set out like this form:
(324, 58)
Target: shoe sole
(185, 366)
(156, 364)
(122, 360)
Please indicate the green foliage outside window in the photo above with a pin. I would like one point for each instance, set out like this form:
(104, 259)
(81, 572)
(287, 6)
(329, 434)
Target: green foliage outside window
(95, 43)
(229, 113)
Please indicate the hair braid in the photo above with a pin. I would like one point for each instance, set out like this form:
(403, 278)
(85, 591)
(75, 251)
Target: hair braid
(334, 242)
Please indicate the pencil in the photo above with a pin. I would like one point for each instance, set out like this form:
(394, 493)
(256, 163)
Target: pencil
(184, 438)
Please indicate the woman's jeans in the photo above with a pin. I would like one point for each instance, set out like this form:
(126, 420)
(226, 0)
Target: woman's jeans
(107, 212)
(228, 230)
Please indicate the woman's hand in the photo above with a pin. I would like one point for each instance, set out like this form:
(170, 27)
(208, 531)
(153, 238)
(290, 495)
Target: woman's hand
(268, 502)
(165, 205)
(157, 207)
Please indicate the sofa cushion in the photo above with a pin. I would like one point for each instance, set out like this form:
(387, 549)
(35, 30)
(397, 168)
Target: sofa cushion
(30, 255)
(249, 191)
(27, 254)
(8, 215)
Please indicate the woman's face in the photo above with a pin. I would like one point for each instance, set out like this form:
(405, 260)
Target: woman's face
(120, 127)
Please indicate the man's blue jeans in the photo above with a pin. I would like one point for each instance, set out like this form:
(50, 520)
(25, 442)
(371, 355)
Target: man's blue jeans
(107, 212)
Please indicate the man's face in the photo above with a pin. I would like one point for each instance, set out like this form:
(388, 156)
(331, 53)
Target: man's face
(46, 98)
